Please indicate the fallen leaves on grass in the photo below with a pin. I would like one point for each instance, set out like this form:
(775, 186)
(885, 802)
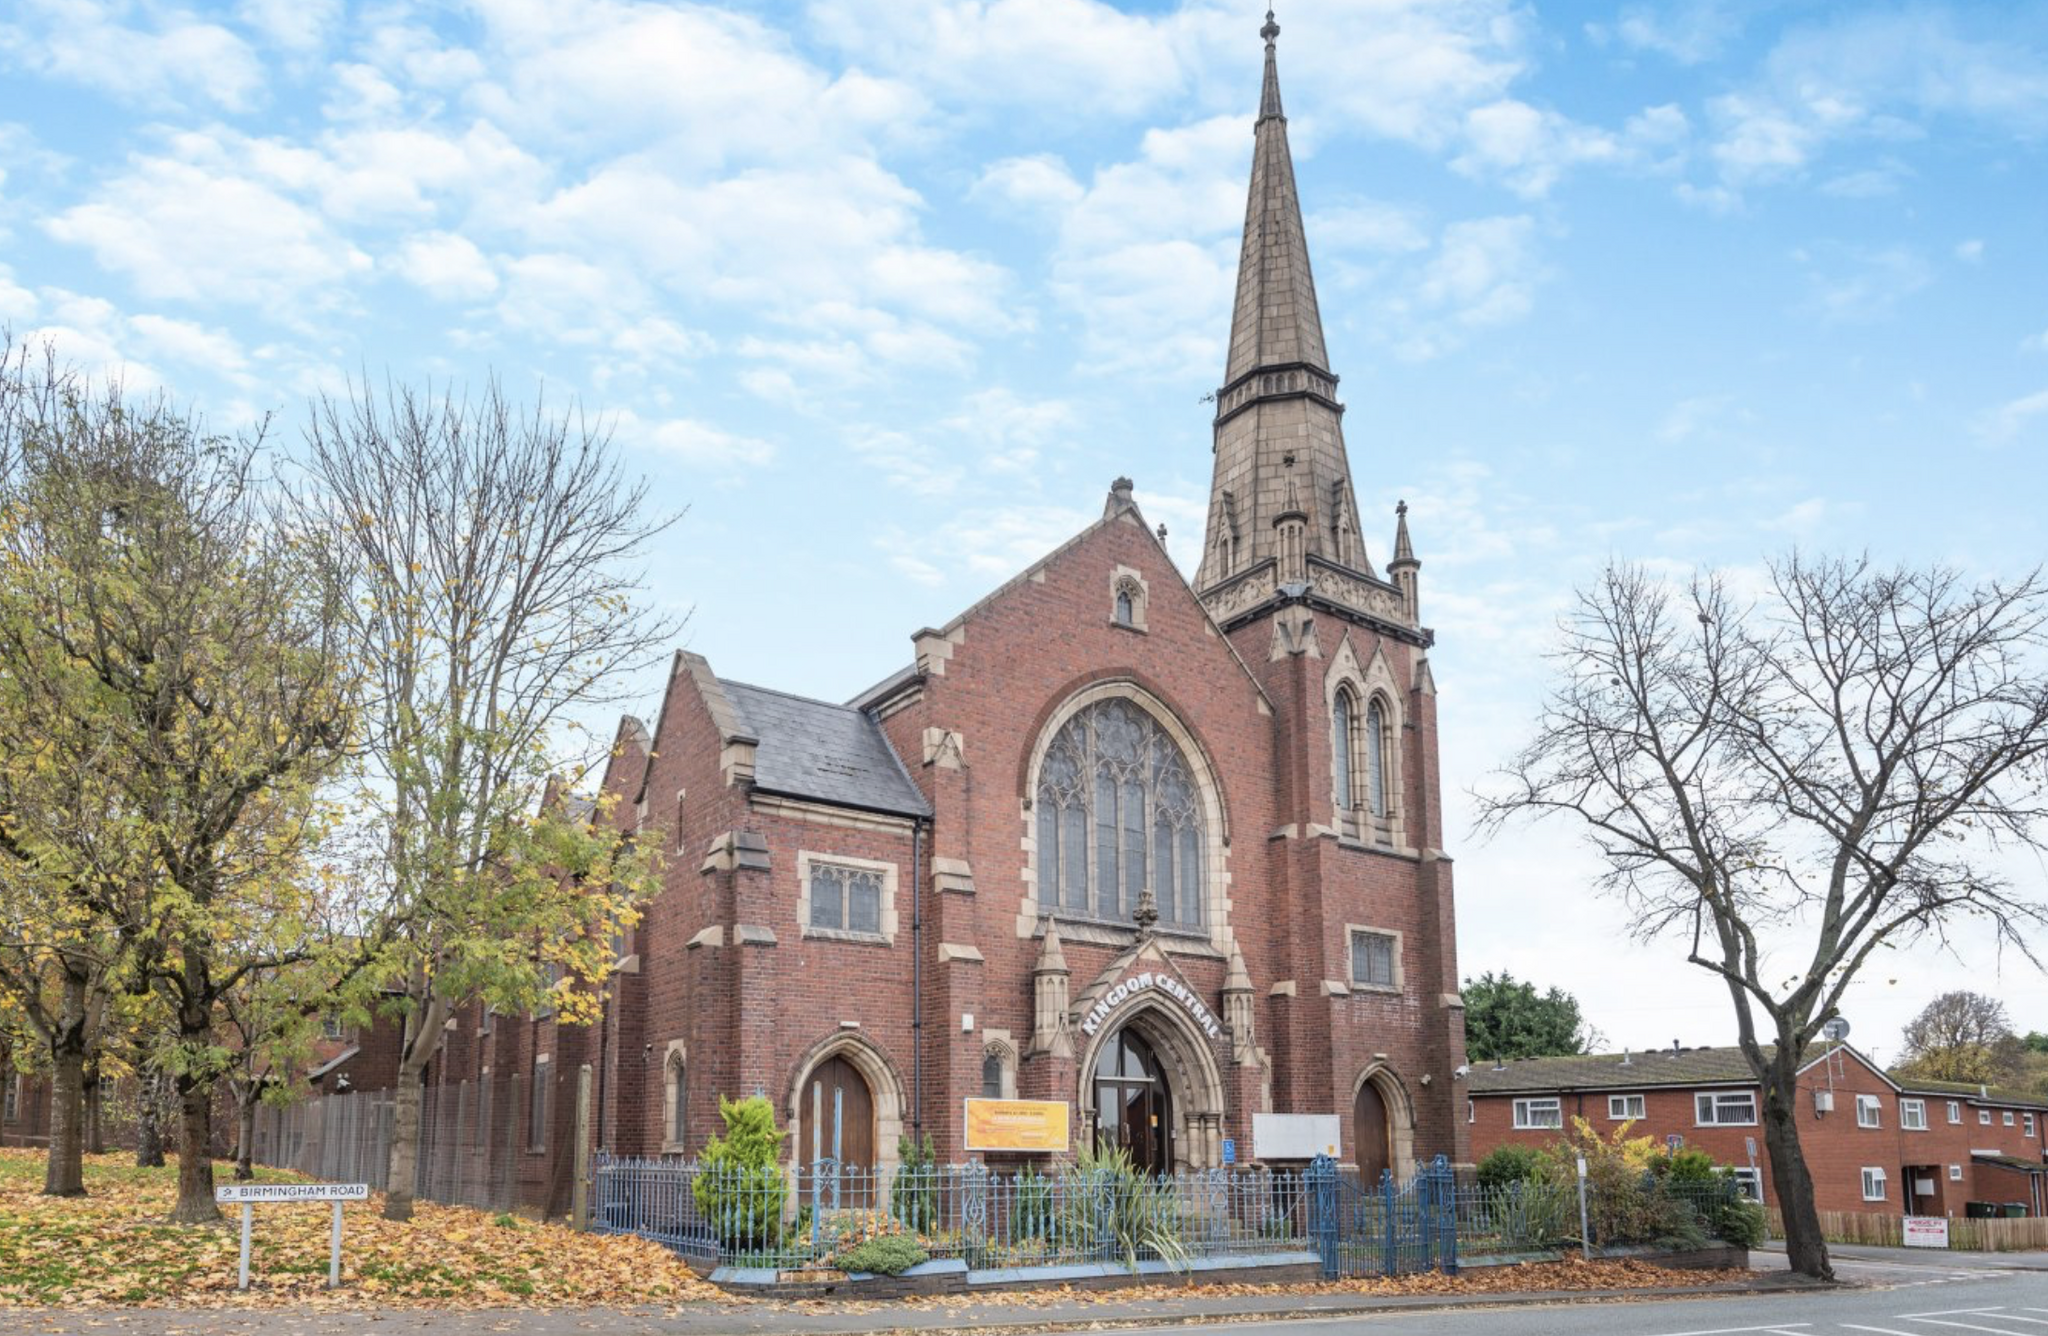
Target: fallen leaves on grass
(114, 1247)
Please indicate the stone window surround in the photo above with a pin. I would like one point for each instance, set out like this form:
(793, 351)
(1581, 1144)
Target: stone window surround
(1368, 683)
(1215, 854)
(1127, 580)
(998, 1044)
(676, 1057)
(807, 859)
(1352, 932)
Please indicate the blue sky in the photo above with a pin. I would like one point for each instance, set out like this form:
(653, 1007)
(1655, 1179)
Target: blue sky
(886, 292)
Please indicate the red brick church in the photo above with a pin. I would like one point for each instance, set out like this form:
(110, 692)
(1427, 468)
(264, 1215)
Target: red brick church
(1167, 850)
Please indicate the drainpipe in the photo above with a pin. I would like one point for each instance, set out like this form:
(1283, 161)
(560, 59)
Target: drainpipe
(917, 979)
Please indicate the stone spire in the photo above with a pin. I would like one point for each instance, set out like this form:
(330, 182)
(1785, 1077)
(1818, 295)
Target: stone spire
(1402, 569)
(1282, 513)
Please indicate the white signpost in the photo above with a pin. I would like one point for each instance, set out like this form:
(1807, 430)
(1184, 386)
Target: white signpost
(246, 1195)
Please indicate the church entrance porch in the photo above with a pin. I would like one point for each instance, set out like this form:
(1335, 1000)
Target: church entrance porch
(1132, 1105)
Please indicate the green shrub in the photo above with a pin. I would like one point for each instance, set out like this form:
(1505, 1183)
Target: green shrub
(1687, 1166)
(884, 1255)
(1742, 1223)
(740, 1188)
(914, 1196)
(1108, 1194)
(1512, 1164)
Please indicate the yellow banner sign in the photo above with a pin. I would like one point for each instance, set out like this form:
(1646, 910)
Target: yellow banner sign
(1018, 1124)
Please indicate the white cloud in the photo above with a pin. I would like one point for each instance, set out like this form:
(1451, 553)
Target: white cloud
(697, 444)
(1690, 419)
(1855, 286)
(17, 304)
(177, 59)
(1010, 432)
(1690, 32)
(447, 266)
(1040, 181)
(189, 342)
(1970, 251)
(2016, 420)
(984, 547)
(1529, 147)
(182, 231)
(2036, 344)
(299, 26)
(1482, 274)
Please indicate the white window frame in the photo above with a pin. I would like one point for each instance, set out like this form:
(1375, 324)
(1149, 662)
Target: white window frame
(1618, 1107)
(1869, 1112)
(1955, 1173)
(1913, 1115)
(1707, 1108)
(1526, 1107)
(1874, 1176)
(807, 861)
(2027, 1120)
(1955, 1111)
(1983, 1117)
(1471, 1111)
(1749, 1183)
(2008, 1117)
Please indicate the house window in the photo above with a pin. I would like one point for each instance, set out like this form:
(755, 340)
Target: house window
(1625, 1108)
(483, 1024)
(846, 899)
(1913, 1115)
(2028, 1120)
(2008, 1117)
(1955, 1173)
(1538, 1113)
(1984, 1117)
(330, 1025)
(991, 1075)
(1749, 1183)
(1471, 1111)
(537, 1107)
(1867, 1112)
(1873, 1185)
(1119, 813)
(1955, 1111)
(1375, 959)
(1728, 1109)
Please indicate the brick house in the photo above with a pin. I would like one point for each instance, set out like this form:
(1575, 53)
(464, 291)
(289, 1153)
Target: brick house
(1168, 852)
(1873, 1142)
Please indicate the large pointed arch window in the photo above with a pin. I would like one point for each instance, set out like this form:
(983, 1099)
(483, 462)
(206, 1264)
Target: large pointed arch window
(1118, 813)
(1345, 740)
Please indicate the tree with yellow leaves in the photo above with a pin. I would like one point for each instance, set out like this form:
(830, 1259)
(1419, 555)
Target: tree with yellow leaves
(489, 555)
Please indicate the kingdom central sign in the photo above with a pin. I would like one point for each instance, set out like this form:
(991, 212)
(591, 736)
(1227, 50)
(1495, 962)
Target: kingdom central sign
(1149, 981)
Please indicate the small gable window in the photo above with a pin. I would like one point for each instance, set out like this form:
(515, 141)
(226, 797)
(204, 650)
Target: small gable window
(1127, 599)
(992, 1075)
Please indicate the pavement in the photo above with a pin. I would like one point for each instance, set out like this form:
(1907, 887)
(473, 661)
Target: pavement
(1873, 1283)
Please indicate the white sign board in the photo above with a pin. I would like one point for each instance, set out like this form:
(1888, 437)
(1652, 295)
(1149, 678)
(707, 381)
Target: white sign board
(1926, 1231)
(237, 1193)
(1294, 1136)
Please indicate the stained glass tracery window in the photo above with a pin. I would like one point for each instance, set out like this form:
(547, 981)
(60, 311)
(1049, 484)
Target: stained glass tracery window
(1118, 811)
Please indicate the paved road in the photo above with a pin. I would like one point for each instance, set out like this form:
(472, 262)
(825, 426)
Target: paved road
(1897, 1293)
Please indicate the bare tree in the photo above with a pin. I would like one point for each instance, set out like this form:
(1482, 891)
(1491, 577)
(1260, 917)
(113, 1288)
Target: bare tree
(1792, 785)
(492, 557)
(1963, 1036)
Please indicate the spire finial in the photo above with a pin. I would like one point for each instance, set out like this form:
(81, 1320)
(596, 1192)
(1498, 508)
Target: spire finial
(1404, 551)
(1271, 30)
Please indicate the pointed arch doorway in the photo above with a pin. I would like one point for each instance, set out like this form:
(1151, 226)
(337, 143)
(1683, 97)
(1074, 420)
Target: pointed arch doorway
(836, 1116)
(1372, 1134)
(1133, 1105)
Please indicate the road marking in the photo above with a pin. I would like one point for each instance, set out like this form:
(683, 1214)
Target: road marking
(2015, 1317)
(1971, 1326)
(1784, 1328)
(1888, 1331)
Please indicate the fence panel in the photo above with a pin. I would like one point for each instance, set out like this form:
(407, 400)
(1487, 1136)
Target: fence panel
(468, 1154)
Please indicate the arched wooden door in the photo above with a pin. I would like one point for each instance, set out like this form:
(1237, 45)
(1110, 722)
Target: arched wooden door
(1371, 1145)
(837, 1110)
(1131, 1105)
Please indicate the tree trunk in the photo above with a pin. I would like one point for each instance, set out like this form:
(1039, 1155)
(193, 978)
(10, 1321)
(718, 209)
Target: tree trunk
(195, 1153)
(64, 1171)
(149, 1127)
(1805, 1248)
(245, 1136)
(95, 1102)
(403, 1175)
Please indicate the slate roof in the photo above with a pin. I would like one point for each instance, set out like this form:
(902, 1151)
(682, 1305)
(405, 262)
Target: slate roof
(1607, 1071)
(2022, 1164)
(1971, 1091)
(829, 753)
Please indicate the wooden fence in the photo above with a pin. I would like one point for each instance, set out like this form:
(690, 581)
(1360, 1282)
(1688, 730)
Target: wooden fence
(1884, 1231)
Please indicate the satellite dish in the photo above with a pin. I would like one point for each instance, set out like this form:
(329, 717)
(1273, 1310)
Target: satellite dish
(1836, 1030)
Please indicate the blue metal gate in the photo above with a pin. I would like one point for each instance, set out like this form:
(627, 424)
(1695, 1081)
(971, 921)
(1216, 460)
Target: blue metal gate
(1386, 1230)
